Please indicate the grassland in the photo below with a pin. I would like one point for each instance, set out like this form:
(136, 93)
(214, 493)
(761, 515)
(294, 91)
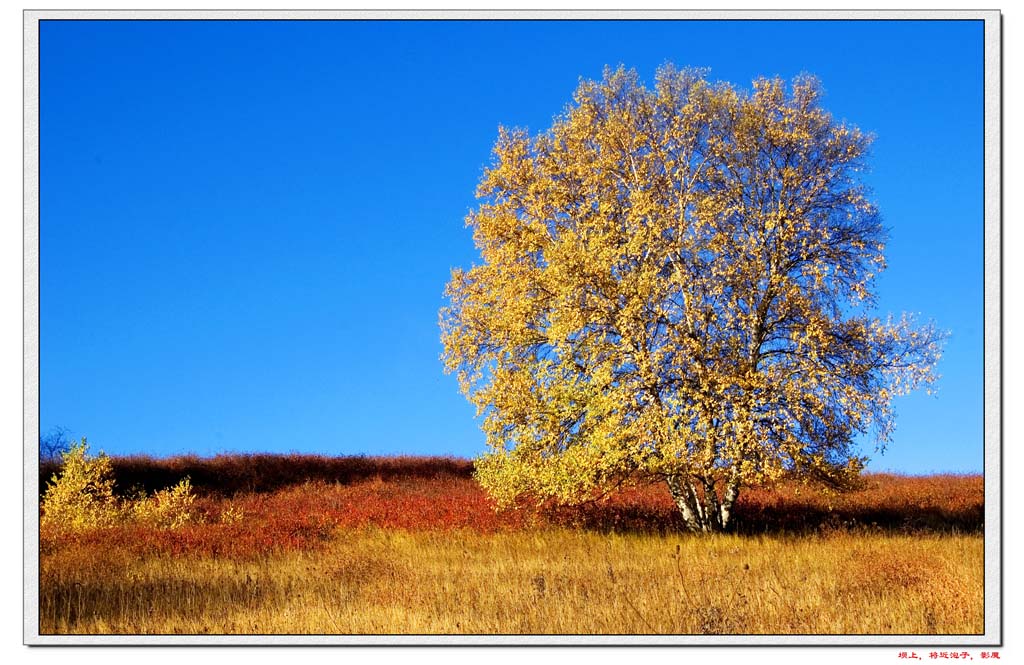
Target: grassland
(306, 545)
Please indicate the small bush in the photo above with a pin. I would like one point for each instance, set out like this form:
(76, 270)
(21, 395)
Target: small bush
(166, 509)
(81, 496)
(232, 515)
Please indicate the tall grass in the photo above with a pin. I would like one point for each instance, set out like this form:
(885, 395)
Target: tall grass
(550, 581)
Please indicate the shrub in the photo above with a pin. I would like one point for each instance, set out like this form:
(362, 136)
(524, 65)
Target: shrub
(232, 515)
(82, 495)
(167, 509)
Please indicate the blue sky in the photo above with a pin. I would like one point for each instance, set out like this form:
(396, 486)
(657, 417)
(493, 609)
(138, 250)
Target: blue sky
(246, 227)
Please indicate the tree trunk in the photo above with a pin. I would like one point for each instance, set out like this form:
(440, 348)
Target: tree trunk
(711, 515)
(682, 494)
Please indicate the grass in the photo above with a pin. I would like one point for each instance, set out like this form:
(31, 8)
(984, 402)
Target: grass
(414, 546)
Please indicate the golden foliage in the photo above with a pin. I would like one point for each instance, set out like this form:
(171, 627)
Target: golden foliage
(169, 508)
(677, 282)
(81, 496)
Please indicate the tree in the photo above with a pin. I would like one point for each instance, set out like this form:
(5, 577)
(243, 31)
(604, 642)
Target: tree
(677, 284)
(81, 495)
(54, 444)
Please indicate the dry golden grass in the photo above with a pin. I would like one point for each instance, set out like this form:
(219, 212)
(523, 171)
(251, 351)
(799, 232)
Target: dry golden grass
(548, 581)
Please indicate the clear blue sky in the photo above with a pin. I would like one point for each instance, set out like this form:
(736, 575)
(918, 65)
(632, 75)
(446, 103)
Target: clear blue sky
(246, 227)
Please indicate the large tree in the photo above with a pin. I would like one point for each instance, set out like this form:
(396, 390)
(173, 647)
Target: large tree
(677, 283)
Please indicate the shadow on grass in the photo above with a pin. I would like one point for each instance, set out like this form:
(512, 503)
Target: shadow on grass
(67, 605)
(751, 519)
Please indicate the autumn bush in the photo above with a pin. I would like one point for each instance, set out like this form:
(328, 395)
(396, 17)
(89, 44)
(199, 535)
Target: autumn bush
(169, 508)
(81, 496)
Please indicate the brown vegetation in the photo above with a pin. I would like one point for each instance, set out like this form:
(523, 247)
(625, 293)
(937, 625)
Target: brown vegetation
(302, 544)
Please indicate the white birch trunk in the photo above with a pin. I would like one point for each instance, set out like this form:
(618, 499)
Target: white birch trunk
(682, 501)
(712, 514)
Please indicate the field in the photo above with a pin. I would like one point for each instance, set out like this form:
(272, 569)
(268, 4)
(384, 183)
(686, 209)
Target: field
(315, 545)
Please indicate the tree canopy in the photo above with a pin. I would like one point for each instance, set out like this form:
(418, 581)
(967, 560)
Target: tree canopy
(678, 283)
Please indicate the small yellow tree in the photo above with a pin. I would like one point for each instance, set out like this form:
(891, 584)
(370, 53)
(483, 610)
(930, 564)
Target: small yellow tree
(677, 284)
(81, 496)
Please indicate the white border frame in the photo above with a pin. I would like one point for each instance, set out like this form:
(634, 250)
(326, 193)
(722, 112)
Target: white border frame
(993, 335)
